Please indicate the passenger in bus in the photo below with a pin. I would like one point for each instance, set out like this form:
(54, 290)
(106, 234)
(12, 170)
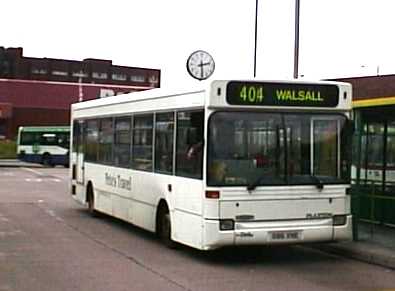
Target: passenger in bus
(194, 150)
(195, 143)
(217, 172)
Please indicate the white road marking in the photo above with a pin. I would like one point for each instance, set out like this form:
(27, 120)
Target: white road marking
(36, 180)
(3, 218)
(38, 173)
(10, 233)
(33, 171)
(8, 174)
(53, 214)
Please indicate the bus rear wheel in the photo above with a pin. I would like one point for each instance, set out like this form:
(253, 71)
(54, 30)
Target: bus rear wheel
(46, 160)
(91, 202)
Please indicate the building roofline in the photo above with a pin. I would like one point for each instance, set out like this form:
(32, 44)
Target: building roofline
(78, 84)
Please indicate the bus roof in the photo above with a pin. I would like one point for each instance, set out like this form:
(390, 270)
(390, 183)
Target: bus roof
(137, 96)
(219, 91)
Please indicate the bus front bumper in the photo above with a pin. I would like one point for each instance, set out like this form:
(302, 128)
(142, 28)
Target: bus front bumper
(276, 232)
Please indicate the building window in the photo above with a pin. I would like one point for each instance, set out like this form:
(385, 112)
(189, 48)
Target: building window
(119, 77)
(137, 78)
(153, 80)
(39, 71)
(101, 76)
(79, 74)
(60, 73)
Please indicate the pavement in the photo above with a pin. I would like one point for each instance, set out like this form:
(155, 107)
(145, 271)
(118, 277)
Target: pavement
(373, 244)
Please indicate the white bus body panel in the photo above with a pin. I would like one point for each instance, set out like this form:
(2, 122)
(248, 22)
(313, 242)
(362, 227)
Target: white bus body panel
(139, 204)
(53, 150)
(134, 203)
(300, 211)
(123, 104)
(187, 198)
(260, 233)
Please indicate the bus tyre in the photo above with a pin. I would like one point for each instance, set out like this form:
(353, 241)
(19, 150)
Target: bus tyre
(91, 203)
(47, 160)
(165, 229)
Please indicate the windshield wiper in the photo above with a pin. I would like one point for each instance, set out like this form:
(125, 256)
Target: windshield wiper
(319, 184)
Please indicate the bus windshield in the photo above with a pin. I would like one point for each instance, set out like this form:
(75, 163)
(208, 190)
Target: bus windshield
(252, 149)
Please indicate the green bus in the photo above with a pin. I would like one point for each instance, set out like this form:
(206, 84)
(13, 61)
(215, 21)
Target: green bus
(48, 145)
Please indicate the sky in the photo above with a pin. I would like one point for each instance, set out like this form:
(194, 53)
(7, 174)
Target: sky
(338, 38)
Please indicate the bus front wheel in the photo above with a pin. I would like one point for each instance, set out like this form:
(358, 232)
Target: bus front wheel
(164, 230)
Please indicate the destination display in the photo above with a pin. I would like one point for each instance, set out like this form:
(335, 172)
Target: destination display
(282, 94)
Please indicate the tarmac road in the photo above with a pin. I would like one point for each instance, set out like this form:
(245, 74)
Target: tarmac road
(48, 242)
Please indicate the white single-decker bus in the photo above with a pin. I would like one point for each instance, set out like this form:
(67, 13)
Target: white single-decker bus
(233, 163)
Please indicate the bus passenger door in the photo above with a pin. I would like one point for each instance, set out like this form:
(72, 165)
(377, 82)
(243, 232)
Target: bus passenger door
(325, 151)
(78, 147)
(188, 187)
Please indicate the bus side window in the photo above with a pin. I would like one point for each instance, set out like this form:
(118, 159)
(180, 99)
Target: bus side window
(142, 142)
(91, 138)
(106, 140)
(189, 159)
(164, 136)
(122, 141)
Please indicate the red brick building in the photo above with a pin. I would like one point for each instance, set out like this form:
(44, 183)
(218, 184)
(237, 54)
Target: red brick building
(39, 91)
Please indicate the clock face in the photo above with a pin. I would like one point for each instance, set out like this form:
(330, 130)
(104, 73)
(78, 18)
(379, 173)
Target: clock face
(200, 65)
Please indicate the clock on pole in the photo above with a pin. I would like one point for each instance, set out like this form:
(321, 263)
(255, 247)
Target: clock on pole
(200, 65)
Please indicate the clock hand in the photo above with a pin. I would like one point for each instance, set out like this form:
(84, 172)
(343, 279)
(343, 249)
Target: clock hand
(203, 64)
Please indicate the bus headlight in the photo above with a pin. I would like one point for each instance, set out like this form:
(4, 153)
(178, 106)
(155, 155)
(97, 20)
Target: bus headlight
(339, 220)
(226, 224)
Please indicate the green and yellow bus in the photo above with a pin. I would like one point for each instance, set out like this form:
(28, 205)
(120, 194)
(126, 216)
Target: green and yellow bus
(48, 145)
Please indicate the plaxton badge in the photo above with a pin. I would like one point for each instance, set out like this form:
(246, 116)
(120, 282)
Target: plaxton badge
(319, 215)
(282, 94)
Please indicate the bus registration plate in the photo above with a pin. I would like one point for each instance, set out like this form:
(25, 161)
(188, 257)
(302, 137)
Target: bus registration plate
(285, 235)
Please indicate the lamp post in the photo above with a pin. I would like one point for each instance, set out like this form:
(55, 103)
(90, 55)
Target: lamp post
(80, 92)
(256, 34)
(296, 48)
(377, 69)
